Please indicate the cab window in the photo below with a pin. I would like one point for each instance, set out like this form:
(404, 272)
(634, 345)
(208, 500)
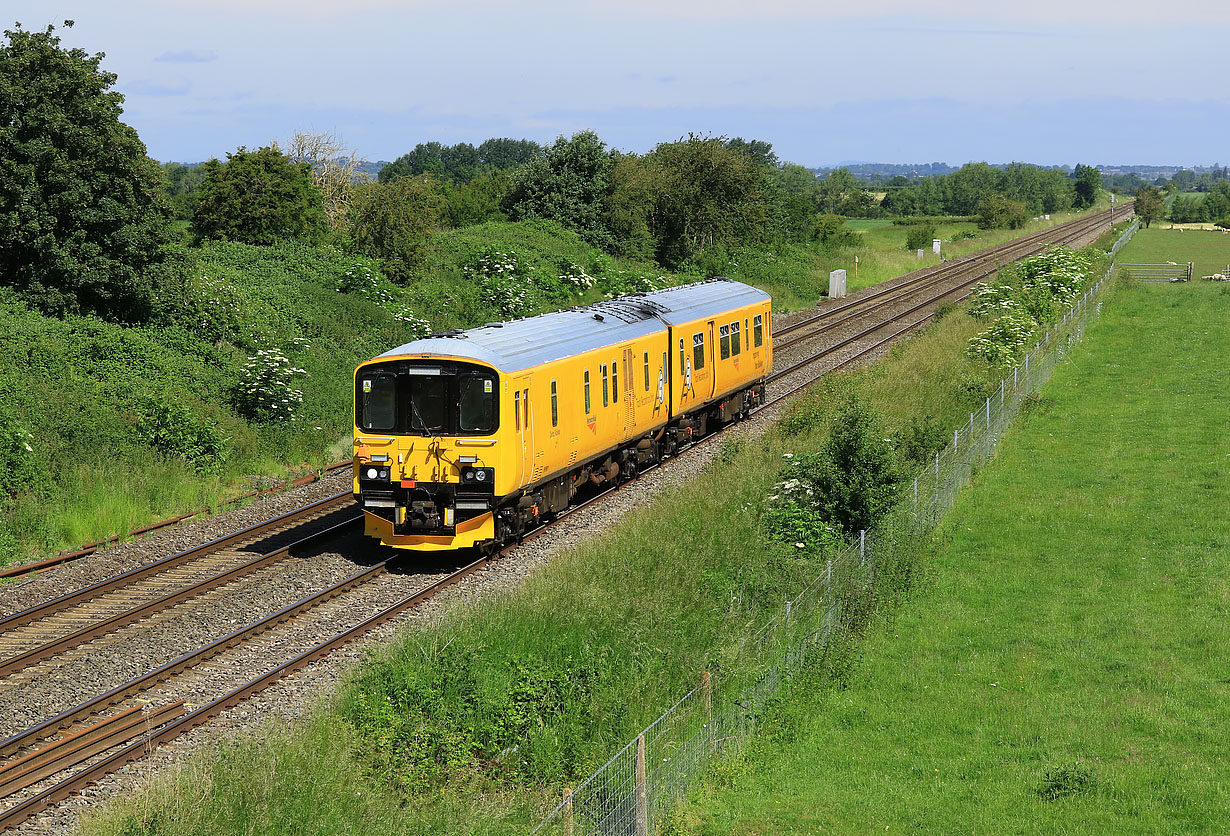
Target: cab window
(476, 403)
(378, 402)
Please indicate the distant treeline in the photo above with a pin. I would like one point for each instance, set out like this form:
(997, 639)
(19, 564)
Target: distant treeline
(1207, 208)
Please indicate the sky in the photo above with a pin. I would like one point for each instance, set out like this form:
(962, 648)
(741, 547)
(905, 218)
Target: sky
(1050, 81)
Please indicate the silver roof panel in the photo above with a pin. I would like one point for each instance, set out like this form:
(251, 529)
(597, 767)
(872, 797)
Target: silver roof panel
(525, 343)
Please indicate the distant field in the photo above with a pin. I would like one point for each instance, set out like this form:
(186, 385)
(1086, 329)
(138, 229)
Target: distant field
(1210, 251)
(1062, 670)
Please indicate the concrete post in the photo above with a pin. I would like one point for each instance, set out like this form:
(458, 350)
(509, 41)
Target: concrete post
(837, 284)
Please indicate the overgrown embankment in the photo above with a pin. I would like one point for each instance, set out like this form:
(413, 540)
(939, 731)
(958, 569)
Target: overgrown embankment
(1061, 670)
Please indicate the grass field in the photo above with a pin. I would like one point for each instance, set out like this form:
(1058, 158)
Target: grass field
(1210, 251)
(1062, 668)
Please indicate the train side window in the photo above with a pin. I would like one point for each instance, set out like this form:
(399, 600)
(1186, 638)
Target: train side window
(615, 382)
(587, 391)
(724, 339)
(606, 392)
(757, 331)
(554, 405)
(698, 351)
(734, 339)
(681, 356)
(517, 408)
(646, 371)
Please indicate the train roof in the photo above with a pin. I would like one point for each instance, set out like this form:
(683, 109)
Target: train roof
(525, 343)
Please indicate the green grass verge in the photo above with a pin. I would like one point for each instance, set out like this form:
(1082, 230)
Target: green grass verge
(1063, 669)
(1209, 251)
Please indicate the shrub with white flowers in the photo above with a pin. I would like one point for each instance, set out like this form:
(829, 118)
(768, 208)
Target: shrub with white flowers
(266, 389)
(1029, 296)
(363, 279)
(990, 300)
(574, 275)
(505, 281)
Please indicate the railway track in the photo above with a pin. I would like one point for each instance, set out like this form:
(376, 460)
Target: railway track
(97, 736)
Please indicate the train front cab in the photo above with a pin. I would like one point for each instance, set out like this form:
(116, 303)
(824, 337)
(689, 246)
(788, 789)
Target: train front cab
(429, 467)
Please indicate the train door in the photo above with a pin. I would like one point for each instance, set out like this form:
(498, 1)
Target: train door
(629, 392)
(713, 366)
(524, 450)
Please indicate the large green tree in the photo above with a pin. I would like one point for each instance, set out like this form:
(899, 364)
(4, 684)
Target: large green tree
(1149, 205)
(568, 183)
(83, 215)
(1088, 183)
(258, 197)
(394, 221)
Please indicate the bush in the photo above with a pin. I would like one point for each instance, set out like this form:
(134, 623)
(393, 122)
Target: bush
(265, 391)
(173, 430)
(852, 480)
(998, 212)
(919, 237)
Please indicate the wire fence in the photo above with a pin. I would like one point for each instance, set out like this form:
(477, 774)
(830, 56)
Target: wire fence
(634, 792)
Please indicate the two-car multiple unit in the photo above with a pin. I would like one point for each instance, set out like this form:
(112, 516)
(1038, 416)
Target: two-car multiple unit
(469, 438)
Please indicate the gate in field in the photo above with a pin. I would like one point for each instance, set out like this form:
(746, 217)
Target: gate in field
(1168, 272)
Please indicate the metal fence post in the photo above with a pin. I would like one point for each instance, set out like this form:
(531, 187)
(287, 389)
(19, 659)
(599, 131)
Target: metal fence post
(706, 702)
(988, 414)
(642, 790)
(955, 433)
(1014, 379)
(862, 544)
(1001, 391)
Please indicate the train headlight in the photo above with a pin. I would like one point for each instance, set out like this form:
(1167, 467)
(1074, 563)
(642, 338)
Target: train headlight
(477, 478)
(371, 473)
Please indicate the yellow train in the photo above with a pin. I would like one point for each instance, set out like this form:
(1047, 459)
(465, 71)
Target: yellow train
(469, 438)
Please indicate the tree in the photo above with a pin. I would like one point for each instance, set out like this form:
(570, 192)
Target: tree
(1088, 183)
(184, 180)
(258, 197)
(335, 168)
(705, 193)
(998, 212)
(567, 183)
(83, 212)
(1149, 205)
(394, 221)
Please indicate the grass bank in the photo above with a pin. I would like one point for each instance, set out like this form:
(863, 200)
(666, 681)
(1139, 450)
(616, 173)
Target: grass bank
(1062, 668)
(475, 724)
